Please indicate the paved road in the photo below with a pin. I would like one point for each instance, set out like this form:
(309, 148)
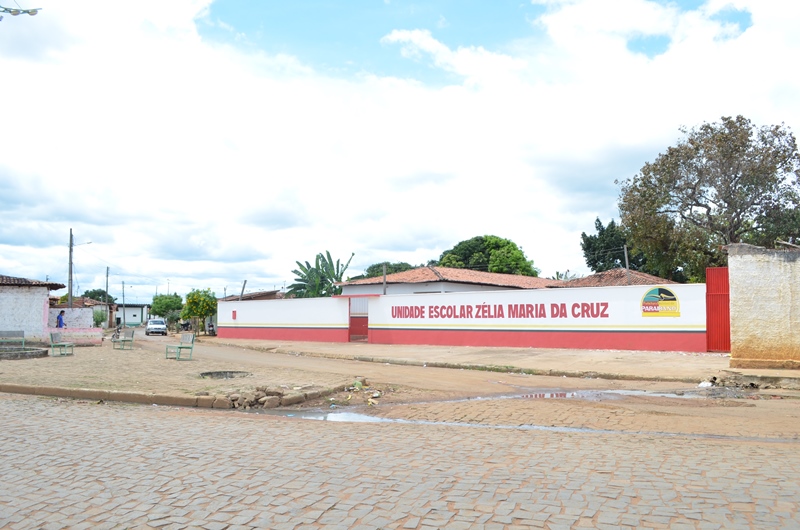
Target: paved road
(68, 464)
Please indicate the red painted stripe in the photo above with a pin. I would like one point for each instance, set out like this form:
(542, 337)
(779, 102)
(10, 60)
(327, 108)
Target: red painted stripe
(303, 334)
(587, 340)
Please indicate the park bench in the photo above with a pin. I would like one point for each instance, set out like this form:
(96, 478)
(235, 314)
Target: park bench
(178, 351)
(12, 336)
(64, 348)
(126, 338)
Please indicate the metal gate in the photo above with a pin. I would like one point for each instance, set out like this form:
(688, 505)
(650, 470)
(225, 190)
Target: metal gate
(718, 311)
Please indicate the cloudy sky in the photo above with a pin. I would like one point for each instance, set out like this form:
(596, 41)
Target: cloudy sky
(199, 144)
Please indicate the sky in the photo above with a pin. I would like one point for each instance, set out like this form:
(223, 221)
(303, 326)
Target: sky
(198, 144)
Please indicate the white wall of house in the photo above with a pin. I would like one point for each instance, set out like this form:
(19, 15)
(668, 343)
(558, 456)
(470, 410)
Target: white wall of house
(76, 317)
(132, 315)
(24, 308)
(420, 288)
(765, 307)
(288, 313)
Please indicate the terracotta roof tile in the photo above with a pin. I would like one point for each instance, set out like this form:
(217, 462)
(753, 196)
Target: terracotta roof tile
(616, 277)
(24, 282)
(446, 274)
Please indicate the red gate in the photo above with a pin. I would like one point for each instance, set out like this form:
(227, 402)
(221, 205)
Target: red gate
(718, 311)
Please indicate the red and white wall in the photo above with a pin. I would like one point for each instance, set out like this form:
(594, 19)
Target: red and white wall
(665, 318)
(630, 318)
(310, 319)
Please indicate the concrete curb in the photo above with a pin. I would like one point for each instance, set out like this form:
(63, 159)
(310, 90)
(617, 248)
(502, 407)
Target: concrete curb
(142, 398)
(760, 381)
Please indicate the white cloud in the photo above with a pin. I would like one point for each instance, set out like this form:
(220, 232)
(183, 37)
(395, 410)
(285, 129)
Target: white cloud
(202, 163)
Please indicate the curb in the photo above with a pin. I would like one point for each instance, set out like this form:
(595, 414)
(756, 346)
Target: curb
(758, 381)
(142, 398)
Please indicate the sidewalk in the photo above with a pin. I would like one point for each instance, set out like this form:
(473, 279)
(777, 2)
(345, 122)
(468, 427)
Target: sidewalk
(606, 364)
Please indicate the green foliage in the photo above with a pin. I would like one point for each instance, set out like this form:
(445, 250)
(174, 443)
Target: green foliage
(377, 269)
(606, 249)
(726, 182)
(318, 280)
(172, 317)
(99, 295)
(564, 276)
(98, 317)
(164, 304)
(199, 304)
(488, 253)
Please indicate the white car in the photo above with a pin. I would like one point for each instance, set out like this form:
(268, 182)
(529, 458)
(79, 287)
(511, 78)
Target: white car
(156, 326)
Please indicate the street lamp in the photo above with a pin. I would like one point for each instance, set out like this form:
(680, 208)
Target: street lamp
(14, 11)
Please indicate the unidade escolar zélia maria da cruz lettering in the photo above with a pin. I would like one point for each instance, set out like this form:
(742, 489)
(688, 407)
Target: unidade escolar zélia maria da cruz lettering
(561, 310)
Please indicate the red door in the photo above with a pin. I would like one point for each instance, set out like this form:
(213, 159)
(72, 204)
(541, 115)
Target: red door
(718, 311)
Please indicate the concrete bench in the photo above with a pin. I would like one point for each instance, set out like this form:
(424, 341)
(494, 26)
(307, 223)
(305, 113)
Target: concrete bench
(63, 348)
(12, 337)
(179, 351)
(125, 339)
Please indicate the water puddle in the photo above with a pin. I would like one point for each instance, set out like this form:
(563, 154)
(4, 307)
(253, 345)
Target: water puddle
(355, 417)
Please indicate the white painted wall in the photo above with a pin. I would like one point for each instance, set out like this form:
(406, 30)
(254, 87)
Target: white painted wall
(615, 309)
(74, 318)
(289, 313)
(764, 303)
(24, 308)
(132, 315)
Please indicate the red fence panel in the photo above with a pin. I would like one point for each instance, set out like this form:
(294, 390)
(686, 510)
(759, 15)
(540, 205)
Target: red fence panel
(718, 310)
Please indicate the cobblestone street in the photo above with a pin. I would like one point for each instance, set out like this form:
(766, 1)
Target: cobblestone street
(73, 464)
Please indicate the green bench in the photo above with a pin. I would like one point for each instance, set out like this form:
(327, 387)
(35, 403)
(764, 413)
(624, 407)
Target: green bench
(12, 336)
(63, 348)
(178, 351)
(125, 339)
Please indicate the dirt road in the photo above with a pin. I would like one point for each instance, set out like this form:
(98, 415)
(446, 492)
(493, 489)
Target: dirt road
(427, 394)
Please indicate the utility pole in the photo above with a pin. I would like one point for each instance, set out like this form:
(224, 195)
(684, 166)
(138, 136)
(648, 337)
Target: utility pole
(108, 309)
(123, 304)
(69, 294)
(627, 266)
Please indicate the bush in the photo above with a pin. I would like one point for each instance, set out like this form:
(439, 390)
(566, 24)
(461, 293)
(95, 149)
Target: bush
(99, 317)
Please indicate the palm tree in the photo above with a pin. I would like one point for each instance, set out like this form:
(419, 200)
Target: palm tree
(318, 280)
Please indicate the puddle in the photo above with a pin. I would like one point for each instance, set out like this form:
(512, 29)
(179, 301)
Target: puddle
(355, 417)
(224, 375)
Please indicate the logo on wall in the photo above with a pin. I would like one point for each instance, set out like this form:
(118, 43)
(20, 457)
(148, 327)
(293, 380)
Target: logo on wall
(660, 302)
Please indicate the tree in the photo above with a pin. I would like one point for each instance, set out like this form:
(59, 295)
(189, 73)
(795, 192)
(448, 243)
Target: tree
(318, 280)
(564, 276)
(199, 304)
(99, 295)
(606, 250)
(377, 269)
(164, 304)
(725, 182)
(488, 253)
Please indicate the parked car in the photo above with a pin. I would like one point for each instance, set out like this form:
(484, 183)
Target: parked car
(156, 326)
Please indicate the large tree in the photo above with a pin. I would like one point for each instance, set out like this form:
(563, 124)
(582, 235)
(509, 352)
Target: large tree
(200, 304)
(320, 279)
(164, 304)
(100, 295)
(488, 253)
(725, 182)
(605, 250)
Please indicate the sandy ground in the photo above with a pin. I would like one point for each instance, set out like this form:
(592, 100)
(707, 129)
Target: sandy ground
(426, 394)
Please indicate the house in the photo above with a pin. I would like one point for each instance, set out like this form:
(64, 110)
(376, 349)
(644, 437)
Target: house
(24, 306)
(132, 314)
(258, 295)
(432, 279)
(615, 278)
(87, 307)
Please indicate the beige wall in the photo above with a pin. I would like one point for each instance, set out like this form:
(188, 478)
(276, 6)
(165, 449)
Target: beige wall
(765, 307)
